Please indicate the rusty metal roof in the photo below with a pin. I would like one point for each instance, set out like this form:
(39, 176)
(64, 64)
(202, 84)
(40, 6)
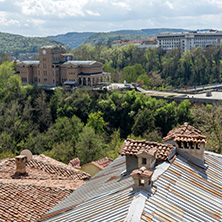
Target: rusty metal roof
(186, 192)
(181, 192)
(105, 197)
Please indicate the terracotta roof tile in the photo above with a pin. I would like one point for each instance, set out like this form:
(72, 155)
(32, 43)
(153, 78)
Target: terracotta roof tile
(186, 133)
(135, 147)
(101, 163)
(104, 162)
(48, 181)
(28, 202)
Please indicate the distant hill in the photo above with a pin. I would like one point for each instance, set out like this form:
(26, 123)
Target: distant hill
(75, 39)
(16, 44)
(27, 47)
(72, 39)
(149, 31)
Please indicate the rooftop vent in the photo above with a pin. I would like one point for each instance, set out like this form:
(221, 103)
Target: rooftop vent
(142, 178)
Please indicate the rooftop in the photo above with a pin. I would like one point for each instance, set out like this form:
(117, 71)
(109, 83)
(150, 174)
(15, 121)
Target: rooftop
(102, 163)
(80, 62)
(51, 47)
(28, 202)
(181, 191)
(48, 181)
(29, 62)
(134, 147)
(185, 132)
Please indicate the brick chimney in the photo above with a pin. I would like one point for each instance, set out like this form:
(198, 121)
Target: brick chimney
(20, 162)
(142, 178)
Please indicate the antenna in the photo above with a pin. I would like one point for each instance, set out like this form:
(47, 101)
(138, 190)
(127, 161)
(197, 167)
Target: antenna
(27, 153)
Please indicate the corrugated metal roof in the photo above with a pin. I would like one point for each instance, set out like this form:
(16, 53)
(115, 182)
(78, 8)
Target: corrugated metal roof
(186, 192)
(183, 192)
(106, 197)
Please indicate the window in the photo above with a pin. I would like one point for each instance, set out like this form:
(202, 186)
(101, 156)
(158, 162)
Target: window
(24, 79)
(186, 145)
(44, 65)
(192, 145)
(35, 79)
(179, 144)
(45, 80)
(45, 73)
(144, 161)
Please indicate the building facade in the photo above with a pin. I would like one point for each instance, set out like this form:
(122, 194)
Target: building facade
(55, 67)
(189, 40)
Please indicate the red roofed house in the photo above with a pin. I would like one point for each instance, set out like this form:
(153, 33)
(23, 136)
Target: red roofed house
(96, 166)
(29, 189)
(151, 182)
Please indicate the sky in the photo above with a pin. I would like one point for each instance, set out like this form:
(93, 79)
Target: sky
(52, 17)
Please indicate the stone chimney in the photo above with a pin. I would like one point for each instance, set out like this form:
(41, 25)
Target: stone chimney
(142, 178)
(189, 141)
(75, 162)
(20, 164)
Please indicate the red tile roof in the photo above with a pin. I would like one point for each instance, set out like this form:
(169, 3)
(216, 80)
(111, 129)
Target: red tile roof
(186, 133)
(135, 147)
(47, 182)
(28, 203)
(101, 163)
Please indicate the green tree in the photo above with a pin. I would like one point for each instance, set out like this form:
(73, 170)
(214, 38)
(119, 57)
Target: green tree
(62, 151)
(97, 122)
(144, 121)
(209, 120)
(90, 145)
(131, 73)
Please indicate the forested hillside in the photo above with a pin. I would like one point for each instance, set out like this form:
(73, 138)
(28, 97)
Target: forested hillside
(155, 68)
(75, 39)
(90, 124)
(72, 39)
(16, 44)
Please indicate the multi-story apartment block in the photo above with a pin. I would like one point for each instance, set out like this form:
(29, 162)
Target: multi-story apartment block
(55, 67)
(189, 40)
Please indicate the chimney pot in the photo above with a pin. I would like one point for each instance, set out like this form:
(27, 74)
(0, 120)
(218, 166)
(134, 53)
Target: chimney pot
(20, 164)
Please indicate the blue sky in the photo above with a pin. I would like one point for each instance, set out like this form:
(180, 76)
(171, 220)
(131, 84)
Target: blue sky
(52, 17)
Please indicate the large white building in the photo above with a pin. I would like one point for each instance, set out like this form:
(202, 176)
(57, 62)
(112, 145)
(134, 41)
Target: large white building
(189, 40)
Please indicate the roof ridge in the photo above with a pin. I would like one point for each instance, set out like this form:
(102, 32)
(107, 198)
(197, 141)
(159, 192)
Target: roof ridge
(75, 171)
(34, 185)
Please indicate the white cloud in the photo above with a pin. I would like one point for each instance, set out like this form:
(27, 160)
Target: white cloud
(52, 8)
(92, 13)
(49, 17)
(123, 5)
(4, 21)
(168, 4)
